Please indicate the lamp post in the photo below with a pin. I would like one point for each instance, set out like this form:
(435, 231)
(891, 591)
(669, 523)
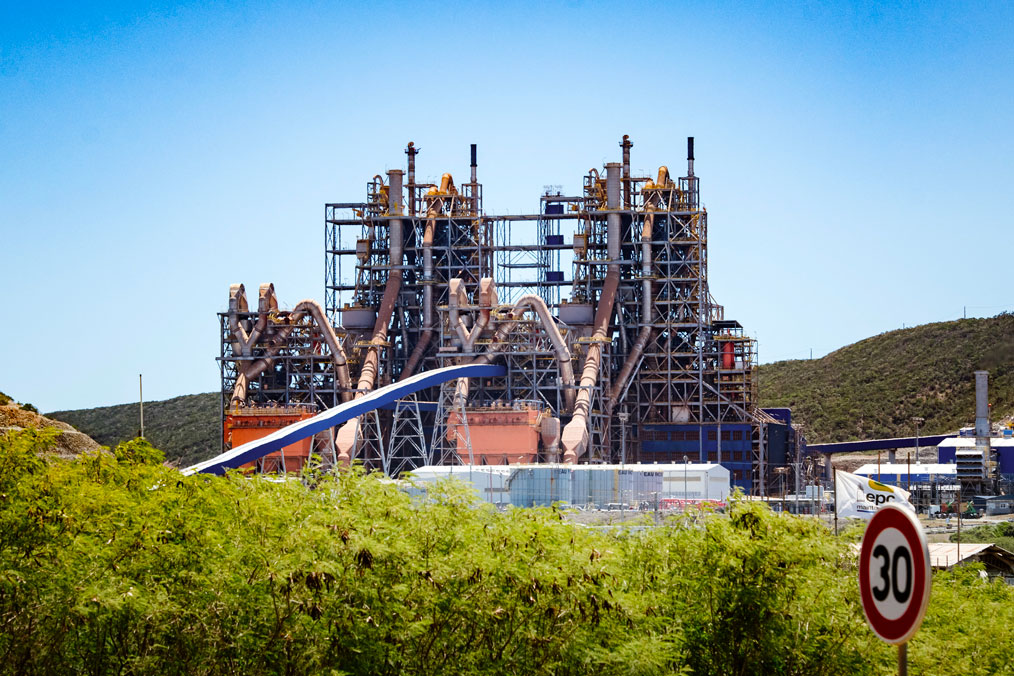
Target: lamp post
(686, 466)
(918, 421)
(623, 417)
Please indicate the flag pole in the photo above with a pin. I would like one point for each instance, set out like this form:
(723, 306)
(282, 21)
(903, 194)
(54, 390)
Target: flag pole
(835, 471)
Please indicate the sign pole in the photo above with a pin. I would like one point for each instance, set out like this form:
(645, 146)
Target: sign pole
(835, 498)
(895, 577)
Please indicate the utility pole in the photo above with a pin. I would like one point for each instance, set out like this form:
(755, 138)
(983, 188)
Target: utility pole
(918, 421)
(686, 466)
(140, 388)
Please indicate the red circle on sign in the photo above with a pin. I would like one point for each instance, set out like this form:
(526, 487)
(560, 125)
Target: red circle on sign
(901, 628)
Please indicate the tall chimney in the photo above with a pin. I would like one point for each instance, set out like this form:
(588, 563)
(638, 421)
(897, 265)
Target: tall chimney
(394, 192)
(474, 184)
(690, 155)
(626, 144)
(982, 404)
(411, 151)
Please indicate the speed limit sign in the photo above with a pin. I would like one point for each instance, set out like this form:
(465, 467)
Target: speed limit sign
(894, 574)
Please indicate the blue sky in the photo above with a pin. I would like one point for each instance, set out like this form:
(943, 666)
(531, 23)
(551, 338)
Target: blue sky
(855, 159)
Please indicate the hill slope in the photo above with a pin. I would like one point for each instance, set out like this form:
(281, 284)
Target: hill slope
(186, 428)
(15, 417)
(874, 388)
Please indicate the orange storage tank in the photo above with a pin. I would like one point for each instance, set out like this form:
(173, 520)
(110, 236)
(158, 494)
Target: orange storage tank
(499, 436)
(244, 425)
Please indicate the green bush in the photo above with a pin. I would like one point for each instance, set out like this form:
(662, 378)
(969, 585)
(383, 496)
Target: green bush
(113, 563)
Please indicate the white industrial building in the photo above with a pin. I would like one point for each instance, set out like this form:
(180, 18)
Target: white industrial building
(587, 486)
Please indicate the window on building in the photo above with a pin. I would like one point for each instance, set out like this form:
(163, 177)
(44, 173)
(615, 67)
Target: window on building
(737, 435)
(693, 435)
(711, 435)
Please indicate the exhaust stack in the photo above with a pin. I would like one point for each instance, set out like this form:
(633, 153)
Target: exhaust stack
(982, 430)
(690, 155)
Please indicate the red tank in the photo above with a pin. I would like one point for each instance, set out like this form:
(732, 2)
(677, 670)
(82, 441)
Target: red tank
(728, 355)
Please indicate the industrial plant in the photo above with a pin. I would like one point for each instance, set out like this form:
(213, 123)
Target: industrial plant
(595, 307)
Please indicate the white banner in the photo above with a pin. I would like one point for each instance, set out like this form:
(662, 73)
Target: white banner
(860, 497)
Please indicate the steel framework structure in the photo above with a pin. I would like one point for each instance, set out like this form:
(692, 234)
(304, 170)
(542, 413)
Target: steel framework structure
(688, 365)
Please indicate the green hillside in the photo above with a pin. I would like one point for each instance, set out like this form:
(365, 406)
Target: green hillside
(187, 428)
(874, 388)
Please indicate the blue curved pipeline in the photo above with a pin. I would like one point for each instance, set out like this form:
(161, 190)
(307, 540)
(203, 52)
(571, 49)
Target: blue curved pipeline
(335, 416)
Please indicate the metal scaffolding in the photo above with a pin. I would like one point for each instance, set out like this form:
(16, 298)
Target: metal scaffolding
(676, 379)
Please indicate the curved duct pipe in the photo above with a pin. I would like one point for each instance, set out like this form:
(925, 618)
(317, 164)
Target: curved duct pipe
(499, 342)
(345, 439)
(575, 434)
(663, 177)
(647, 309)
(237, 304)
(447, 185)
(433, 210)
(563, 356)
(488, 299)
(457, 296)
(266, 302)
(531, 302)
(304, 307)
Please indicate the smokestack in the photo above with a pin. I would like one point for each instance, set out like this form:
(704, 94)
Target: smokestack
(613, 174)
(411, 151)
(473, 165)
(982, 404)
(626, 144)
(394, 192)
(690, 155)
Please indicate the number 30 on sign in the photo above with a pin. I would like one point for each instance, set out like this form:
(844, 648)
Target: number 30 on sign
(894, 574)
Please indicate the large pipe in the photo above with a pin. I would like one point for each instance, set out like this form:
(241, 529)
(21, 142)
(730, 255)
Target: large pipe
(256, 368)
(550, 432)
(266, 303)
(488, 299)
(650, 200)
(237, 304)
(433, 210)
(345, 440)
(498, 343)
(563, 356)
(575, 435)
(530, 302)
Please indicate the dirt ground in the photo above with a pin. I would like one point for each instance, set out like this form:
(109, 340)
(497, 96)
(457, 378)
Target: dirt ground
(71, 443)
(850, 462)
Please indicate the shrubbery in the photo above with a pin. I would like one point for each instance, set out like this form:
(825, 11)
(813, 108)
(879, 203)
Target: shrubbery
(113, 563)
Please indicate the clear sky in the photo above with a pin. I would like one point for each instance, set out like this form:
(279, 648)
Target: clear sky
(855, 159)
